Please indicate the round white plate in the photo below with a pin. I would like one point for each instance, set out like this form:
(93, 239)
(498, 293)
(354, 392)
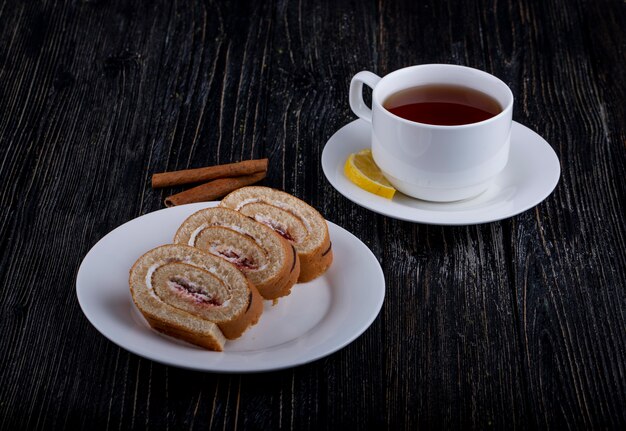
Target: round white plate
(530, 176)
(315, 320)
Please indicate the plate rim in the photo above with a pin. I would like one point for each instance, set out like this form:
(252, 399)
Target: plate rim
(379, 292)
(428, 216)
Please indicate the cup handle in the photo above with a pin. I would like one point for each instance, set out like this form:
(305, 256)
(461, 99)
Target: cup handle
(357, 104)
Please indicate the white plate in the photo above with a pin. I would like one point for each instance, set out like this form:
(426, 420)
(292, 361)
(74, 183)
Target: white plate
(315, 320)
(530, 176)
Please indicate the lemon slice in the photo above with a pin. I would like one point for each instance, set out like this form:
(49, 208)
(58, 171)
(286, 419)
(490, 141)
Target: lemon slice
(361, 169)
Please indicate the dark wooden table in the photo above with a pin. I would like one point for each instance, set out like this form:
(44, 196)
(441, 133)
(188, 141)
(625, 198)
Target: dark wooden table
(515, 324)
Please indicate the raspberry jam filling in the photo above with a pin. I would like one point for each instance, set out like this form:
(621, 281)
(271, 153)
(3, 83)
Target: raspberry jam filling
(284, 234)
(241, 262)
(187, 288)
(279, 228)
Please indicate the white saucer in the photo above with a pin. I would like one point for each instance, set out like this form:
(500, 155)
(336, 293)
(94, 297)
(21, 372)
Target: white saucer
(530, 176)
(315, 320)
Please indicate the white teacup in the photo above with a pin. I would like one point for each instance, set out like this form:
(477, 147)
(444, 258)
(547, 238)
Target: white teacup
(436, 162)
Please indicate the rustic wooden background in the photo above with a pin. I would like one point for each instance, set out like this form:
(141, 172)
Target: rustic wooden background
(514, 324)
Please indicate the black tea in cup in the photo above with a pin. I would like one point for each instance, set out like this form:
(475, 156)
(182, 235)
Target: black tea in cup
(442, 105)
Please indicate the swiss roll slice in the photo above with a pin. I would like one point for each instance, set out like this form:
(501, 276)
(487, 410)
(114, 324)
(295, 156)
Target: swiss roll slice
(192, 295)
(269, 261)
(295, 220)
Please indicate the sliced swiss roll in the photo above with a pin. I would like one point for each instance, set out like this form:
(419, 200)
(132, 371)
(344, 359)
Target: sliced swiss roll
(192, 295)
(268, 260)
(293, 219)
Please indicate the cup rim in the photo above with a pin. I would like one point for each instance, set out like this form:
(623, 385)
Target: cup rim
(504, 112)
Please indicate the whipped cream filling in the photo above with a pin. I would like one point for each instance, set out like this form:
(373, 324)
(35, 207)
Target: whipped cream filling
(195, 233)
(149, 279)
(236, 229)
(245, 202)
(277, 204)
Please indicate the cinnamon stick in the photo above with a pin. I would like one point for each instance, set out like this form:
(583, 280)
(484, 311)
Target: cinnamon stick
(189, 176)
(213, 190)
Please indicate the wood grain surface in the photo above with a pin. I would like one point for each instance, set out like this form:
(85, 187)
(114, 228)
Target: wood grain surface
(509, 325)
